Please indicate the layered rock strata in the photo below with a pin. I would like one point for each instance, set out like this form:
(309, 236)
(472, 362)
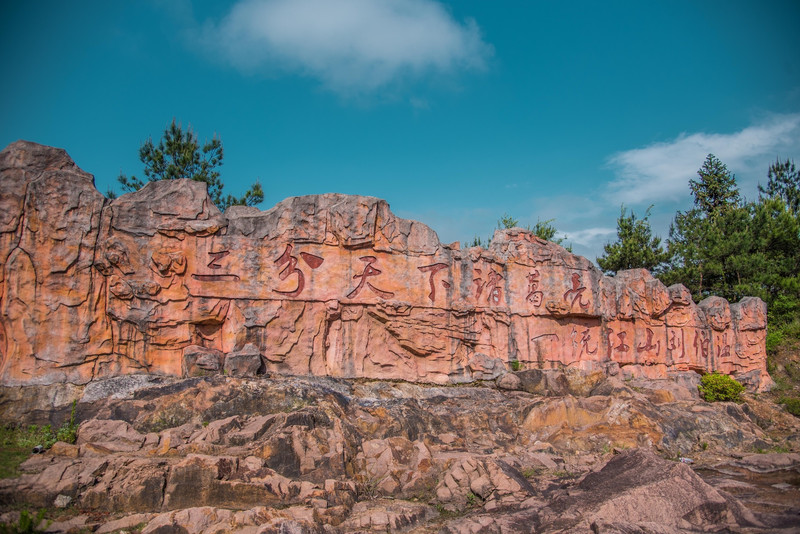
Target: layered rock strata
(159, 281)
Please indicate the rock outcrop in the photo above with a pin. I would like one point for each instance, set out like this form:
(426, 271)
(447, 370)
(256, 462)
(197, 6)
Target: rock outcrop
(318, 454)
(160, 282)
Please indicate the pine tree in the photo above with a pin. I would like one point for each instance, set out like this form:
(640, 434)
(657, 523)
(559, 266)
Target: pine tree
(783, 181)
(635, 247)
(703, 241)
(179, 155)
(716, 190)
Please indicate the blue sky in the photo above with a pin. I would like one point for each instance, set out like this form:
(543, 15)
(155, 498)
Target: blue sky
(456, 112)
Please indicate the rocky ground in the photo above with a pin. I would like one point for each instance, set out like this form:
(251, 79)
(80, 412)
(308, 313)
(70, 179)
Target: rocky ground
(538, 451)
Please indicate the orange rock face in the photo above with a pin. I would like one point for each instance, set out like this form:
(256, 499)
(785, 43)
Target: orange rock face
(326, 285)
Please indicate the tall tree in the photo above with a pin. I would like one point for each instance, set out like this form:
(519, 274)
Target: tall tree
(783, 181)
(635, 247)
(179, 155)
(716, 189)
(702, 241)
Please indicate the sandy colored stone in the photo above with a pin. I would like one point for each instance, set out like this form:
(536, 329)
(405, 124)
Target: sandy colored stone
(160, 282)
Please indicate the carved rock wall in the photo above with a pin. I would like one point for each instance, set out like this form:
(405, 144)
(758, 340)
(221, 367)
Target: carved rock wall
(160, 281)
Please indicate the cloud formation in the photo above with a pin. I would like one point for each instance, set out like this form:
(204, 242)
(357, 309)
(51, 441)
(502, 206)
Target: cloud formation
(661, 171)
(350, 45)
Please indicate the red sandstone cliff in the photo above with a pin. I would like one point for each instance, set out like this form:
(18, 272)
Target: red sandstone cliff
(159, 281)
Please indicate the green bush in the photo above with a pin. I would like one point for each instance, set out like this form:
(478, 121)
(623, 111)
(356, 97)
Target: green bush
(716, 387)
(792, 405)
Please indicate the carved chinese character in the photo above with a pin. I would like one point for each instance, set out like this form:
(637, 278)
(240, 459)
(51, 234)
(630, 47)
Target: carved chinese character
(648, 345)
(675, 343)
(495, 293)
(534, 296)
(724, 349)
(701, 344)
(214, 265)
(292, 269)
(433, 269)
(369, 271)
(584, 342)
(479, 283)
(622, 347)
(577, 293)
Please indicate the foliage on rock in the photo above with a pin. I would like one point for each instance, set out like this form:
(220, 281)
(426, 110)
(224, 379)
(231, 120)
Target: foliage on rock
(179, 155)
(715, 387)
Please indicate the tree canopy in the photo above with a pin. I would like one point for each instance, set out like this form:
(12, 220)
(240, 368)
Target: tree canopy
(179, 155)
(732, 248)
(635, 247)
(716, 189)
(783, 181)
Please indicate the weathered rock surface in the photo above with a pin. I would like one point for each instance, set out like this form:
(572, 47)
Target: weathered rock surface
(160, 282)
(318, 454)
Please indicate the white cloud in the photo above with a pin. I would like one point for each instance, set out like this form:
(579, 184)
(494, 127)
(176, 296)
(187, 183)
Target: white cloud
(588, 237)
(661, 171)
(350, 45)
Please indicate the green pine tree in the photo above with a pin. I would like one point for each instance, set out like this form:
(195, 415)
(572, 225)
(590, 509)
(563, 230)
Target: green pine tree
(716, 189)
(783, 181)
(635, 247)
(179, 155)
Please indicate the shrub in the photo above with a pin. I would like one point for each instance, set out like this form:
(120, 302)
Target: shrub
(716, 387)
(792, 405)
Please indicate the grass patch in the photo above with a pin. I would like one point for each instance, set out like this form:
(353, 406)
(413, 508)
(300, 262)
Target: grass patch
(17, 442)
(28, 523)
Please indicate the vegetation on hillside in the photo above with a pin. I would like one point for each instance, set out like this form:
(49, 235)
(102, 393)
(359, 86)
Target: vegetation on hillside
(731, 247)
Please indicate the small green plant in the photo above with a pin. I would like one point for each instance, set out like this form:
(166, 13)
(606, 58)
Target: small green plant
(472, 499)
(792, 405)
(444, 513)
(68, 433)
(28, 523)
(531, 472)
(516, 365)
(704, 446)
(715, 387)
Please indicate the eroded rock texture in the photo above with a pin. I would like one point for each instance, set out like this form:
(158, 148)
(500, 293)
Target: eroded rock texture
(160, 281)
